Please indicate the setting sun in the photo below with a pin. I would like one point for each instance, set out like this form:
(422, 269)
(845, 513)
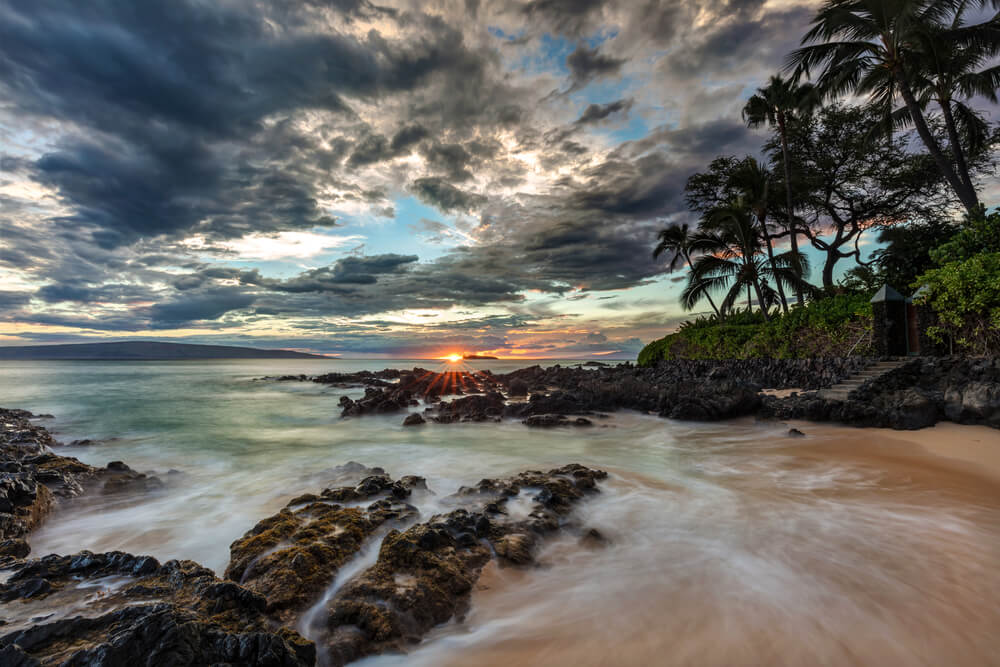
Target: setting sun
(453, 358)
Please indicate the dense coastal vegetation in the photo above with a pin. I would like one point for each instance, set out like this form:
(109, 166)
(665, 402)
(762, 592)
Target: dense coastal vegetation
(904, 166)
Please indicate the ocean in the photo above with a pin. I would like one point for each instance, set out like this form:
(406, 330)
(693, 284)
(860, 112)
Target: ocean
(729, 543)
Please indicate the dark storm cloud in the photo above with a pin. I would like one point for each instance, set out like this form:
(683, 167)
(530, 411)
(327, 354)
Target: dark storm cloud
(376, 148)
(452, 159)
(170, 92)
(348, 271)
(647, 186)
(208, 305)
(749, 38)
(595, 113)
(586, 65)
(438, 192)
(565, 16)
(10, 300)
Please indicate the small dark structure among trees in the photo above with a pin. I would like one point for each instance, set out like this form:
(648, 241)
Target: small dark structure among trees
(900, 326)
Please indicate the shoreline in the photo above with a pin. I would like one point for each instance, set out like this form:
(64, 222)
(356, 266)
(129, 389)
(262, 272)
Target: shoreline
(970, 448)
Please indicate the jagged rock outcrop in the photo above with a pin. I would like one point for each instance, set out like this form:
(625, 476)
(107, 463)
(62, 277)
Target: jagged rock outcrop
(414, 419)
(476, 408)
(291, 557)
(915, 395)
(177, 613)
(33, 479)
(424, 575)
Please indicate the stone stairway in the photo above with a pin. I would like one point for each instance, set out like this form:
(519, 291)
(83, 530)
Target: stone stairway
(841, 391)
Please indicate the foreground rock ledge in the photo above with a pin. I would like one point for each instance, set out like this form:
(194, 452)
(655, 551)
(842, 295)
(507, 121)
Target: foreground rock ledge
(117, 609)
(425, 574)
(178, 613)
(291, 557)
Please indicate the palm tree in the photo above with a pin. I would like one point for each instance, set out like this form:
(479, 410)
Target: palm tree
(948, 73)
(734, 260)
(753, 180)
(734, 243)
(680, 241)
(870, 47)
(775, 104)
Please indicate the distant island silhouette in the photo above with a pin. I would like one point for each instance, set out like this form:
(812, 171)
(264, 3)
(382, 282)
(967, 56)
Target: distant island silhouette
(145, 351)
(478, 356)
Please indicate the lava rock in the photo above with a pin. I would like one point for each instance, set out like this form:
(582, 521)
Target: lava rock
(177, 613)
(414, 419)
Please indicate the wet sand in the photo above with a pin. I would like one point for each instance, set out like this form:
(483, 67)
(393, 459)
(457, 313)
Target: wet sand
(974, 449)
(846, 547)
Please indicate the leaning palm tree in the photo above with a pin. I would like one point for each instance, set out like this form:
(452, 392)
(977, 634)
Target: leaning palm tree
(948, 73)
(780, 101)
(870, 48)
(680, 241)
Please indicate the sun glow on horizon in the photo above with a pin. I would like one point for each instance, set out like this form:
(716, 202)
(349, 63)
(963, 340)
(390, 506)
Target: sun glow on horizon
(453, 358)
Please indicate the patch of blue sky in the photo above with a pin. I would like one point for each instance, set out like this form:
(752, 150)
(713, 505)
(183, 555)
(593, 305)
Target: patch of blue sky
(549, 57)
(500, 33)
(397, 235)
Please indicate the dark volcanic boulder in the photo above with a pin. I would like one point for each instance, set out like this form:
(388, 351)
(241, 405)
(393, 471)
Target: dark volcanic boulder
(973, 403)
(414, 419)
(517, 387)
(477, 408)
(177, 613)
(24, 503)
(724, 400)
(548, 421)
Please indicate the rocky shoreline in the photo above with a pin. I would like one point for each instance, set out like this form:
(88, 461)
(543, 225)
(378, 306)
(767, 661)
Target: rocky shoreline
(117, 608)
(919, 393)
(299, 588)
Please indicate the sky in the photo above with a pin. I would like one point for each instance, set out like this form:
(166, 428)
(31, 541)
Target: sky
(407, 178)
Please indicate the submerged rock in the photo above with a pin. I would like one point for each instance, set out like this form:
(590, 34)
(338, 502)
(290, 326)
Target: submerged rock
(178, 613)
(548, 421)
(414, 419)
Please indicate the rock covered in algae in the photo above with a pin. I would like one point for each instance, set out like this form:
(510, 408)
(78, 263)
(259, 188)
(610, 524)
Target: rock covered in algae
(425, 574)
(291, 557)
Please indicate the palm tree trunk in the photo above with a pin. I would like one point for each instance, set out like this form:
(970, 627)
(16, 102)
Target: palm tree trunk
(774, 272)
(968, 200)
(760, 299)
(708, 296)
(956, 149)
(788, 202)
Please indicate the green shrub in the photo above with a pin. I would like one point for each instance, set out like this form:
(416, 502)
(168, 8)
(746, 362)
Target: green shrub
(979, 234)
(965, 294)
(827, 327)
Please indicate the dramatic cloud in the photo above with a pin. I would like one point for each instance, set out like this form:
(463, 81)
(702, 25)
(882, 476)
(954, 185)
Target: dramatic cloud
(362, 177)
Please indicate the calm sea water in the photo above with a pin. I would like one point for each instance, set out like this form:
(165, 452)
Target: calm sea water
(731, 543)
